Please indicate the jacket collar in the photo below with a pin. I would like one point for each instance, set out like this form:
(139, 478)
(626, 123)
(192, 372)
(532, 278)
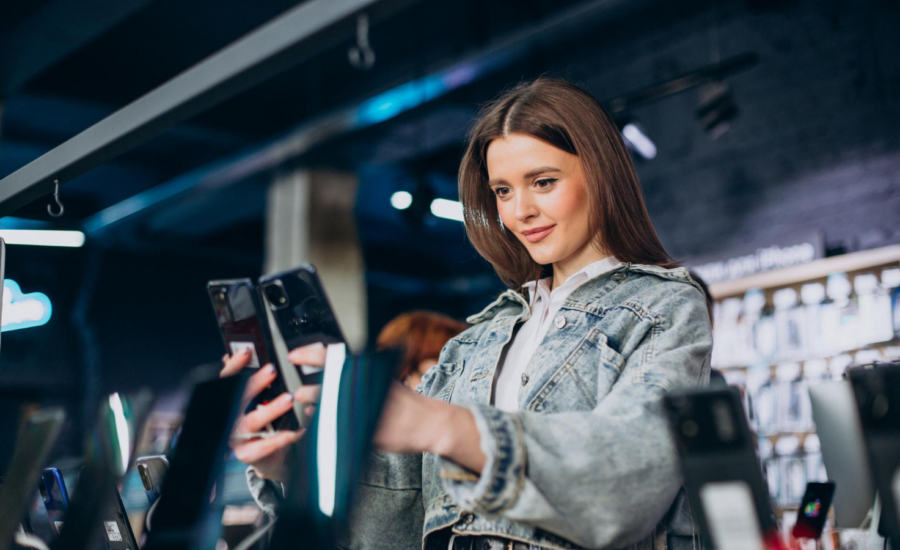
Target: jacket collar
(513, 299)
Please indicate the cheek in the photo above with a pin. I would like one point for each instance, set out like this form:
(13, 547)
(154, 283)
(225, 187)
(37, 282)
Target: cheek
(570, 206)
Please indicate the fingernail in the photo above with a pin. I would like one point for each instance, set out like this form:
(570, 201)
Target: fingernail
(245, 351)
(225, 357)
(287, 397)
(270, 369)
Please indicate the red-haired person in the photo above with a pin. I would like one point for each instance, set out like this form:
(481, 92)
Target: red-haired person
(420, 336)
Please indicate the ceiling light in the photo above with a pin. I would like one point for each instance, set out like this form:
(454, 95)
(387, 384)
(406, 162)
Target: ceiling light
(447, 209)
(401, 200)
(638, 141)
(43, 237)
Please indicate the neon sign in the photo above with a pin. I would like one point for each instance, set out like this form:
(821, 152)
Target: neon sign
(23, 310)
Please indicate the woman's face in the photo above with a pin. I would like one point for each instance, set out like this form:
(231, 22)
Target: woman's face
(542, 199)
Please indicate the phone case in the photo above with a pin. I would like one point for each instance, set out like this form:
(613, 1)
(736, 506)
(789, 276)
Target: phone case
(301, 311)
(243, 324)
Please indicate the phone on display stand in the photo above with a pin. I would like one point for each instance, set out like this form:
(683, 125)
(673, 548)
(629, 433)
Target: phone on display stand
(36, 439)
(813, 510)
(877, 392)
(152, 470)
(302, 312)
(55, 496)
(244, 324)
(723, 477)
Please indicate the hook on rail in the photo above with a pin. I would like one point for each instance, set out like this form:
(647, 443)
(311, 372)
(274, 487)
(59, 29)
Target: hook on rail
(62, 208)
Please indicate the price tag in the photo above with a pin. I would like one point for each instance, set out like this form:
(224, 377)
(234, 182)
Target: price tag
(237, 347)
(112, 531)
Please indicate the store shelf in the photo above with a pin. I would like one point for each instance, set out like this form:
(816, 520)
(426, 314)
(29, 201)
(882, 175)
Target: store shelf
(818, 269)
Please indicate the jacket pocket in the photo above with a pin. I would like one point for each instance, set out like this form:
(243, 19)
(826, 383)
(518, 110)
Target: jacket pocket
(583, 380)
(440, 380)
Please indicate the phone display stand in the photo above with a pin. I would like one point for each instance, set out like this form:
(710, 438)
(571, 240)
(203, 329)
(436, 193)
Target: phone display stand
(327, 462)
(877, 392)
(96, 507)
(723, 477)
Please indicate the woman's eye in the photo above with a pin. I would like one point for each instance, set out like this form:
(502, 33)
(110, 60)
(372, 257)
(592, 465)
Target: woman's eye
(544, 183)
(501, 191)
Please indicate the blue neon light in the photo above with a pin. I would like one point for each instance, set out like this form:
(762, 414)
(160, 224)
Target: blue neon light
(23, 310)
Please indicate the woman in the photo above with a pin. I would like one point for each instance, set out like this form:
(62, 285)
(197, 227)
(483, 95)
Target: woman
(540, 426)
(421, 336)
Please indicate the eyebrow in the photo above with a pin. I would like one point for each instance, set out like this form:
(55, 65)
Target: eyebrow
(528, 175)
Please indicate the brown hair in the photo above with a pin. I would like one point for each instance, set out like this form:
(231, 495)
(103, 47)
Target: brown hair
(568, 118)
(421, 335)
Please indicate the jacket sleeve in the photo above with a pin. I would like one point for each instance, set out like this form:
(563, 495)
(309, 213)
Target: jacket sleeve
(603, 478)
(268, 494)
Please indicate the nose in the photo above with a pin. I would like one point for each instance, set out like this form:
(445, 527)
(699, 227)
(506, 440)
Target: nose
(525, 207)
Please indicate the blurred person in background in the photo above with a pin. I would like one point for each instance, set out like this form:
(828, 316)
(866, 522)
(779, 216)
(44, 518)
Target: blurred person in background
(420, 336)
(541, 425)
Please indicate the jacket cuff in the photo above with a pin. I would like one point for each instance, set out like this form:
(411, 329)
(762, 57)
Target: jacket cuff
(268, 494)
(498, 486)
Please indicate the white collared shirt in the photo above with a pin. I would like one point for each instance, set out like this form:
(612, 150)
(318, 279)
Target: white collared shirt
(532, 332)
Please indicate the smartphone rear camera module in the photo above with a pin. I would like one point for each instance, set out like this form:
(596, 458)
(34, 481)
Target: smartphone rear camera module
(145, 477)
(276, 295)
(725, 427)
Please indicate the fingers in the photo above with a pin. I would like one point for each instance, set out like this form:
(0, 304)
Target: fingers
(255, 421)
(308, 395)
(312, 355)
(234, 363)
(259, 449)
(260, 380)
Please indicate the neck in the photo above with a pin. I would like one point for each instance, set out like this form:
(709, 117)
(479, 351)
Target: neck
(564, 269)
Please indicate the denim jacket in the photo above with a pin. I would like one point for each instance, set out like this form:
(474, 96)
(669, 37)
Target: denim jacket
(588, 461)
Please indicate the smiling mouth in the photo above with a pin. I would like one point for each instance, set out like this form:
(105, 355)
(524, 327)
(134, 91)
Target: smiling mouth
(537, 234)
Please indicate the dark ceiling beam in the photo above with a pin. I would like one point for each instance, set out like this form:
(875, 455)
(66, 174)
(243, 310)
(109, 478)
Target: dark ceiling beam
(53, 32)
(272, 48)
(502, 52)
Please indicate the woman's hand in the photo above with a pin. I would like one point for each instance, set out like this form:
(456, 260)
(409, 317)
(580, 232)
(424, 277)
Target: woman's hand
(413, 423)
(267, 456)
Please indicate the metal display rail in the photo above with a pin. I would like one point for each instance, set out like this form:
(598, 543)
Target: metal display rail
(259, 55)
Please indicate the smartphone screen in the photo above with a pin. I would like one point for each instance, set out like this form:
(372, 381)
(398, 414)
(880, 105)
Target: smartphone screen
(813, 510)
(243, 324)
(302, 311)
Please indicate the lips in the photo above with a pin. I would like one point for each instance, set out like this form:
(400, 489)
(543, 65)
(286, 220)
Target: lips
(538, 233)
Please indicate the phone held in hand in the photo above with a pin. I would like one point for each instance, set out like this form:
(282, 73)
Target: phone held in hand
(813, 510)
(244, 327)
(302, 312)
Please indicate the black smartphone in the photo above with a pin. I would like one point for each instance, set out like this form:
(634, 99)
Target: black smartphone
(813, 510)
(722, 473)
(55, 496)
(302, 312)
(184, 517)
(152, 470)
(243, 323)
(877, 392)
